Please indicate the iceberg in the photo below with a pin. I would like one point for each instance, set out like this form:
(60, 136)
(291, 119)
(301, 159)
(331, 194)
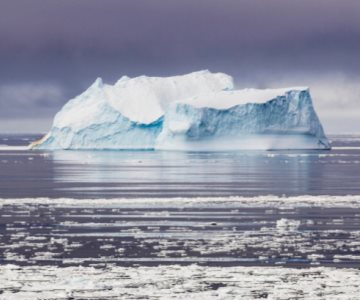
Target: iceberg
(200, 111)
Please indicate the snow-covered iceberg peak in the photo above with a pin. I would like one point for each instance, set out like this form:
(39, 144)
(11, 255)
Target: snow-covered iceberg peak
(144, 99)
(196, 111)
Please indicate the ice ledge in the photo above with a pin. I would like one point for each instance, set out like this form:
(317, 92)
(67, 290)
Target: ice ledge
(228, 98)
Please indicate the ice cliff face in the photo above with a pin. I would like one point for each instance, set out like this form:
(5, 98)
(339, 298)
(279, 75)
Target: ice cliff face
(198, 111)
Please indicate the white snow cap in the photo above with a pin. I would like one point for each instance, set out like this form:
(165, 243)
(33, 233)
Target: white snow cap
(144, 99)
(228, 98)
(141, 99)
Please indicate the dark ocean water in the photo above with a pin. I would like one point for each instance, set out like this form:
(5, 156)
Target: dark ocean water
(95, 231)
(109, 174)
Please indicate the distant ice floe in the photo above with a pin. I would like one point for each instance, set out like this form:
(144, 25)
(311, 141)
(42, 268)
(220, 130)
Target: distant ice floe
(269, 200)
(13, 148)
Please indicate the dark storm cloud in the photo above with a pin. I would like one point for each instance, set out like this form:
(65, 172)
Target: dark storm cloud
(65, 44)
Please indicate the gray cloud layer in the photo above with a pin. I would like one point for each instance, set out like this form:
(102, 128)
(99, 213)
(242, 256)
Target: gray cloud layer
(51, 50)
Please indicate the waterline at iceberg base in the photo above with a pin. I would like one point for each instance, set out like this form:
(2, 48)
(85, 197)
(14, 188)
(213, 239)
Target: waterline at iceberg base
(200, 111)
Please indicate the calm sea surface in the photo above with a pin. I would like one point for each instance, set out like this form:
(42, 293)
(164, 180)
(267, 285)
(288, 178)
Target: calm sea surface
(94, 230)
(109, 174)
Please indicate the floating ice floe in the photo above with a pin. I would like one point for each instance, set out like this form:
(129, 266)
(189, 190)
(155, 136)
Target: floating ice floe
(177, 282)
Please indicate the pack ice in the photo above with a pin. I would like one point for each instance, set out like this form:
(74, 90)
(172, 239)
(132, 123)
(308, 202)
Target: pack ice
(199, 111)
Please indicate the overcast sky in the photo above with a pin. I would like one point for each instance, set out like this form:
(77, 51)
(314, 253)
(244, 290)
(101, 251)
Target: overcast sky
(51, 50)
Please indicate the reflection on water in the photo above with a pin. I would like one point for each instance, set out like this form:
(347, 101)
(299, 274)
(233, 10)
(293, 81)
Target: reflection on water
(182, 173)
(177, 174)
